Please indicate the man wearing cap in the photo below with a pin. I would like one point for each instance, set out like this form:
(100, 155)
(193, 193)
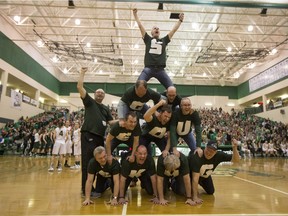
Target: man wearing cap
(202, 167)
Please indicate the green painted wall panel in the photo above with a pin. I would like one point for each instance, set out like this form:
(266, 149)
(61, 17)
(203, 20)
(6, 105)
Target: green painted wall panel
(15, 56)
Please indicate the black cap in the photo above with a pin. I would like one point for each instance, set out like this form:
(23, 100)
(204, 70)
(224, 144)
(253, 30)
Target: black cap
(212, 144)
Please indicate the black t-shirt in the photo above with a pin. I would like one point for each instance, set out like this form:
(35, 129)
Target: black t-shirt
(136, 170)
(182, 170)
(96, 116)
(181, 125)
(204, 166)
(123, 134)
(136, 103)
(106, 171)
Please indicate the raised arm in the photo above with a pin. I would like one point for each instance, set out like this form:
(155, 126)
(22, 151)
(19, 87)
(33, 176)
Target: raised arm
(108, 148)
(235, 155)
(176, 26)
(142, 30)
(148, 116)
(80, 86)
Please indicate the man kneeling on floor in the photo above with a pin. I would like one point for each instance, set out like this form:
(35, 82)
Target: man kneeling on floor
(107, 175)
(143, 168)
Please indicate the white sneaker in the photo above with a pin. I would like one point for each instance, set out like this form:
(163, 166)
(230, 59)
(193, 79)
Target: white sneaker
(59, 169)
(51, 169)
(73, 167)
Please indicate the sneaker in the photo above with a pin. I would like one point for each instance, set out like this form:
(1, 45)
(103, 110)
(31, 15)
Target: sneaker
(66, 165)
(51, 169)
(59, 169)
(73, 167)
(95, 194)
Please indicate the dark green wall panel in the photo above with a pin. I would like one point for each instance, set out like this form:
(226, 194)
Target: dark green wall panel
(15, 56)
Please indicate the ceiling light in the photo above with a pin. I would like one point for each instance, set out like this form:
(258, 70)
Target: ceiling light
(95, 60)
(230, 104)
(100, 72)
(273, 52)
(208, 104)
(250, 28)
(229, 49)
(77, 21)
(65, 70)
(136, 46)
(204, 74)
(252, 65)
(55, 59)
(40, 43)
(184, 48)
(88, 44)
(195, 26)
(237, 75)
(215, 63)
(17, 19)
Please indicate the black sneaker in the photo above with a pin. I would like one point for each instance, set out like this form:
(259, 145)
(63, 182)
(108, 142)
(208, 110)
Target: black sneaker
(66, 165)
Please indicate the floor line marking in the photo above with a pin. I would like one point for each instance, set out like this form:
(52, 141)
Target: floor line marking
(124, 210)
(270, 188)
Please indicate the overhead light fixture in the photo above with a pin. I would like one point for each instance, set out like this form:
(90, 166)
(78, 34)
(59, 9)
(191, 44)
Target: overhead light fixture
(160, 7)
(263, 12)
(71, 4)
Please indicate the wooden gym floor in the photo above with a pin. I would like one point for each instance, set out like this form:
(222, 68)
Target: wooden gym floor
(253, 187)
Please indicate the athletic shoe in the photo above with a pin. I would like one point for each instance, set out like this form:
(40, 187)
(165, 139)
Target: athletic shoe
(51, 169)
(59, 169)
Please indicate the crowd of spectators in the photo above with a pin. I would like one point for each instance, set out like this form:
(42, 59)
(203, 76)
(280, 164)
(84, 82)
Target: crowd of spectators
(257, 136)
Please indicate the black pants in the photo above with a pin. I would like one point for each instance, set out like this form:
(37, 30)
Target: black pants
(89, 142)
(207, 184)
(103, 183)
(145, 183)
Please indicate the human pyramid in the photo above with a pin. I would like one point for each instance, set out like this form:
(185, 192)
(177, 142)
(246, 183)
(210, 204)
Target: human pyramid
(171, 117)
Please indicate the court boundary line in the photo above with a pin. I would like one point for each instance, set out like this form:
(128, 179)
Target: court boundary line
(261, 185)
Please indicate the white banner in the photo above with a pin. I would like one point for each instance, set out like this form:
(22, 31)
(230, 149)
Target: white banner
(16, 99)
(33, 102)
(26, 99)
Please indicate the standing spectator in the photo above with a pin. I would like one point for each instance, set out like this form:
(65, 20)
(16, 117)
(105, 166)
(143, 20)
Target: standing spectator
(77, 145)
(59, 148)
(155, 52)
(96, 117)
